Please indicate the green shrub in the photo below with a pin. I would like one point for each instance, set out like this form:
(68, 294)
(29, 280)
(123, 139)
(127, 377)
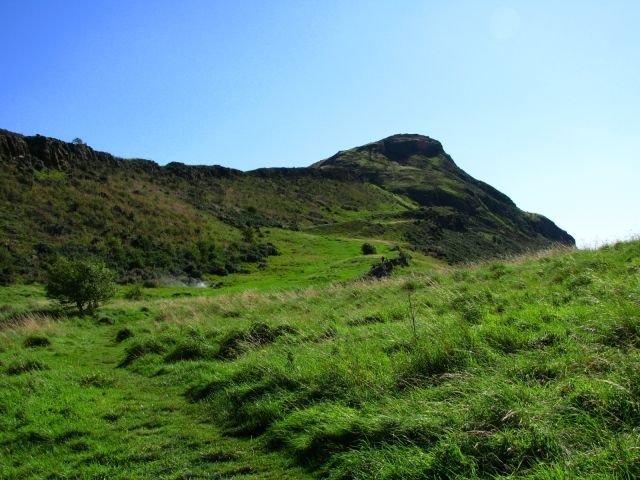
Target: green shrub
(151, 283)
(386, 266)
(82, 283)
(134, 293)
(368, 249)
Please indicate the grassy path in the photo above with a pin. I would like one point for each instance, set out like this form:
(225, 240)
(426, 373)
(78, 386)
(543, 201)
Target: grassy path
(73, 413)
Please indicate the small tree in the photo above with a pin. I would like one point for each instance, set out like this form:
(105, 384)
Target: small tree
(77, 141)
(368, 249)
(81, 283)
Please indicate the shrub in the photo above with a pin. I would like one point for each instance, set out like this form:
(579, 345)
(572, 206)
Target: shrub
(385, 267)
(81, 283)
(368, 249)
(134, 293)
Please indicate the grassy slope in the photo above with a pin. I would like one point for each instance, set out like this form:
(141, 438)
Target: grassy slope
(312, 260)
(152, 225)
(526, 368)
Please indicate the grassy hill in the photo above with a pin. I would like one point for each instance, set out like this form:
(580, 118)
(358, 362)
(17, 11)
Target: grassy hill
(527, 368)
(459, 218)
(177, 221)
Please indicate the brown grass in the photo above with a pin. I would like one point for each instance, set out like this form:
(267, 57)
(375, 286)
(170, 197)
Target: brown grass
(29, 323)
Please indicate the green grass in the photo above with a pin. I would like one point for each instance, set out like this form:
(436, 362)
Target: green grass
(527, 368)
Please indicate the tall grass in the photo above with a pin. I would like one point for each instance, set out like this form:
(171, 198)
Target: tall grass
(525, 368)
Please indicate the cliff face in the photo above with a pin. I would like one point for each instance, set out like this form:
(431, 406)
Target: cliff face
(38, 153)
(60, 198)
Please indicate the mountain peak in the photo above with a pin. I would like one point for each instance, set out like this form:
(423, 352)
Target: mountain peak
(416, 167)
(400, 148)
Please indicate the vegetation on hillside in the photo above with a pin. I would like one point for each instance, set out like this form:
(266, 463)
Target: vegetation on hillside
(181, 222)
(525, 368)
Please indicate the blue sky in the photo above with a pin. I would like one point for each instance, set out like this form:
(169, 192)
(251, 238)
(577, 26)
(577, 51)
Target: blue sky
(540, 99)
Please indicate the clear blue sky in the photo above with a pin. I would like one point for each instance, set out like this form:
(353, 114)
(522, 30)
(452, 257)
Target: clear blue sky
(540, 99)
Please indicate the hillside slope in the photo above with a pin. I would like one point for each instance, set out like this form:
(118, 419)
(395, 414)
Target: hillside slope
(520, 369)
(147, 220)
(459, 217)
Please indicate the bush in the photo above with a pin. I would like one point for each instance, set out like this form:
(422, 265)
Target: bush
(368, 249)
(385, 267)
(134, 293)
(81, 283)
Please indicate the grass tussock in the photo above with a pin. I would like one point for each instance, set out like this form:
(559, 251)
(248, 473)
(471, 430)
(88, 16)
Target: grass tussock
(236, 342)
(446, 350)
(140, 349)
(25, 365)
(36, 341)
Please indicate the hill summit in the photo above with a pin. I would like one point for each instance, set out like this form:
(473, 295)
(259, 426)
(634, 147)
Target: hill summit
(145, 220)
(418, 168)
